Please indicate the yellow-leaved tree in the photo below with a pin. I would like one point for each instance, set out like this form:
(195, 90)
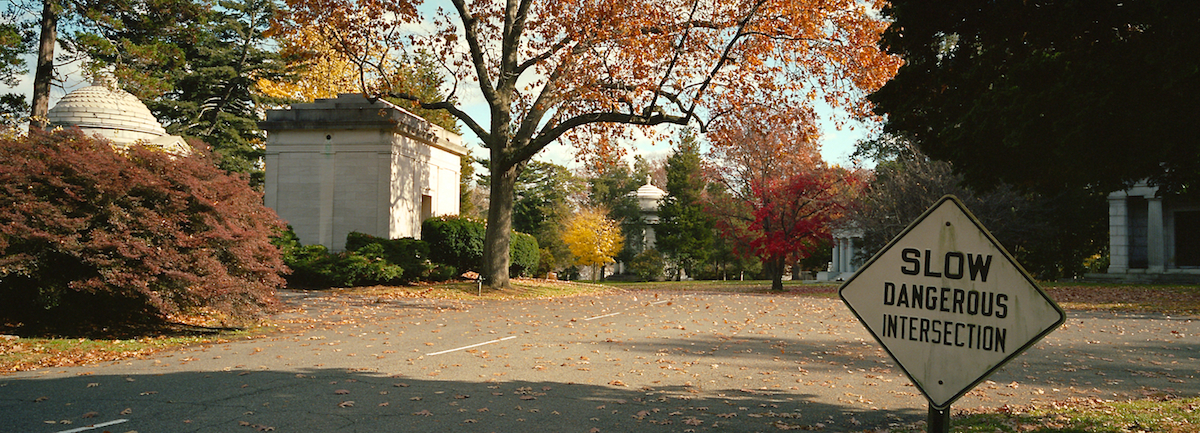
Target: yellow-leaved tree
(593, 238)
(321, 71)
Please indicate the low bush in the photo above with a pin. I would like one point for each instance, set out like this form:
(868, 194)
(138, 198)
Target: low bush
(90, 235)
(523, 255)
(408, 253)
(373, 260)
(443, 273)
(367, 260)
(455, 240)
(648, 265)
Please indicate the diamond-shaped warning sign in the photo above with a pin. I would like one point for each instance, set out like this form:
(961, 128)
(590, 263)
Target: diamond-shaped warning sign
(948, 303)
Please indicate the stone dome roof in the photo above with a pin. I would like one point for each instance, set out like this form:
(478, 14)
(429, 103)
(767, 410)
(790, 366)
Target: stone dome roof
(648, 196)
(650, 191)
(103, 109)
(104, 106)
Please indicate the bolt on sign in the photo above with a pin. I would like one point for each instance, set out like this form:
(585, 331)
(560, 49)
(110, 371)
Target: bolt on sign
(948, 303)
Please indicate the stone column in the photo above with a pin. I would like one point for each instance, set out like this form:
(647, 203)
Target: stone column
(1155, 247)
(328, 177)
(837, 256)
(1118, 234)
(850, 255)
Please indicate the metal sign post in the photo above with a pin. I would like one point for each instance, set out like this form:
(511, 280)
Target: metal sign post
(938, 420)
(949, 305)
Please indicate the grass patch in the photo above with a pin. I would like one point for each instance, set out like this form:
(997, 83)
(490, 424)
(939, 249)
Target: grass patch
(1174, 300)
(522, 288)
(749, 287)
(22, 354)
(1169, 414)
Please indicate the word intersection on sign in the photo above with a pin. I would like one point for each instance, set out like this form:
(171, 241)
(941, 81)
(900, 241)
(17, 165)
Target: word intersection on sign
(948, 303)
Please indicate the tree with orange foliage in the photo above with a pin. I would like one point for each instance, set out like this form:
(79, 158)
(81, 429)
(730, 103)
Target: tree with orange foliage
(576, 69)
(785, 197)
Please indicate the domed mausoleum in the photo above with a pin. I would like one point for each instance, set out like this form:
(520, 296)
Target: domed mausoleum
(102, 109)
(648, 198)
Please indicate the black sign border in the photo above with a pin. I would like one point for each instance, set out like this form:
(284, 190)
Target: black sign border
(1062, 316)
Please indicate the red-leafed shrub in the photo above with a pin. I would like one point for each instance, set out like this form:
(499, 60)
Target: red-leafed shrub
(89, 235)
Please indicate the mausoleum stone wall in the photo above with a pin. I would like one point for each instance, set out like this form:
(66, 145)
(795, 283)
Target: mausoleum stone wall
(352, 164)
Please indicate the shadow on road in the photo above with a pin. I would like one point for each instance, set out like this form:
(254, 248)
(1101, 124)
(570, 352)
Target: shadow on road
(345, 401)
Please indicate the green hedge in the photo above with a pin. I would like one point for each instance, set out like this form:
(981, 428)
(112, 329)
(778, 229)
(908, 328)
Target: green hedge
(452, 245)
(523, 255)
(408, 253)
(367, 260)
(455, 241)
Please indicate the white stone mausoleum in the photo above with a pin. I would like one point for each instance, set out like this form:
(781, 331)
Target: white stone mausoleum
(353, 164)
(1153, 237)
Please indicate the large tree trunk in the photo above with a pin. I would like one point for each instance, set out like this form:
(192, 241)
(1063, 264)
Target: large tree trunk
(499, 226)
(775, 267)
(44, 75)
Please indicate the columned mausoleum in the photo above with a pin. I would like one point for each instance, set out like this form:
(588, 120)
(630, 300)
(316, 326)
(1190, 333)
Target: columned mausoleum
(1152, 237)
(352, 164)
(847, 243)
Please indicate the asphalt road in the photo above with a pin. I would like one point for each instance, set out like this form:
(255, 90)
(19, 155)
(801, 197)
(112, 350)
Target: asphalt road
(637, 361)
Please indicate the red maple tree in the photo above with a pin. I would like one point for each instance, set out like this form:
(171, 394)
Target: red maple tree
(784, 196)
(91, 235)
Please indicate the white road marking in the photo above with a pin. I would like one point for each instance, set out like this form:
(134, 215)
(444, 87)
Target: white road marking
(600, 317)
(660, 302)
(473, 345)
(94, 426)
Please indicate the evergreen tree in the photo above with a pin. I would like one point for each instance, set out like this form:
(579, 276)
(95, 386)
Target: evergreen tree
(541, 207)
(1049, 95)
(16, 39)
(195, 67)
(685, 231)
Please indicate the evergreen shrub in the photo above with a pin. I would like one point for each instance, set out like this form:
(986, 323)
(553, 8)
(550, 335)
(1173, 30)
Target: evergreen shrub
(455, 240)
(410, 254)
(523, 255)
(367, 260)
(648, 265)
